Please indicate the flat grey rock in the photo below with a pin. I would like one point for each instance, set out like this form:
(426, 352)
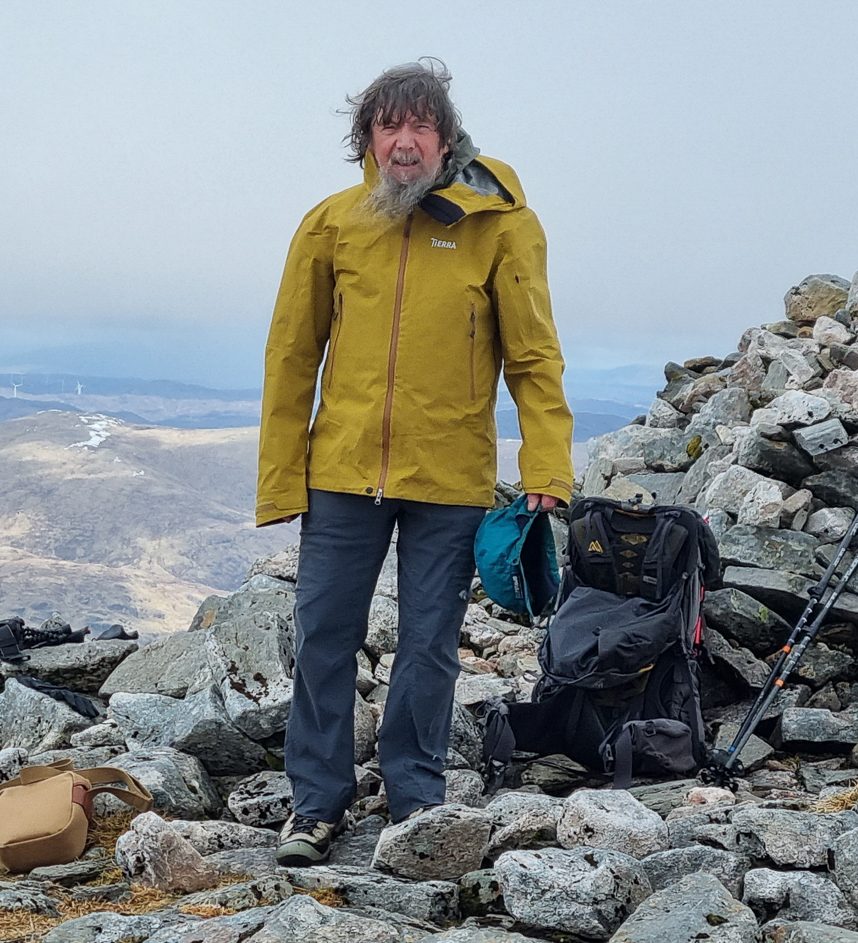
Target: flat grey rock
(262, 799)
(107, 927)
(35, 722)
(197, 725)
(697, 907)
(209, 837)
(82, 667)
(788, 838)
(796, 895)
(303, 920)
(260, 892)
(179, 784)
(168, 665)
(805, 931)
(433, 901)
(667, 867)
(31, 896)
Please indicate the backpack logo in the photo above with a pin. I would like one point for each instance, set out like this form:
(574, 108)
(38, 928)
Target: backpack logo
(595, 547)
(442, 243)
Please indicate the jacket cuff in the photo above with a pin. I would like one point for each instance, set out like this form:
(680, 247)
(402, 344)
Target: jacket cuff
(269, 512)
(555, 488)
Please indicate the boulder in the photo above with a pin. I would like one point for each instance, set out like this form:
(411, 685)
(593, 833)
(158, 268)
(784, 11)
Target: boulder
(250, 659)
(169, 665)
(769, 548)
(12, 761)
(81, 667)
(815, 296)
(443, 843)
(744, 619)
(800, 727)
(613, 820)
(262, 799)
(35, 722)
(796, 895)
(434, 901)
(300, 919)
(155, 855)
(788, 838)
(179, 783)
(198, 725)
(209, 837)
(584, 891)
(667, 867)
(697, 907)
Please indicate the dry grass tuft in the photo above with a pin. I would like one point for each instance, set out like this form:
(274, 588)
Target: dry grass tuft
(839, 801)
(207, 910)
(324, 895)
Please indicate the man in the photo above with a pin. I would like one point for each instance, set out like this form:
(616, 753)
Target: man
(415, 288)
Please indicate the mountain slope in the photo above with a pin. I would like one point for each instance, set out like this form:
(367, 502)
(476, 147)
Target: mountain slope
(162, 507)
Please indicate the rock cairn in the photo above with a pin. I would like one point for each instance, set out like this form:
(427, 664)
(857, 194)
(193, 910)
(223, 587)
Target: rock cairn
(765, 443)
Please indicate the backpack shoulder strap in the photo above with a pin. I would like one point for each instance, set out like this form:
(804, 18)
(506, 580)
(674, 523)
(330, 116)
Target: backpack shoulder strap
(593, 557)
(661, 555)
(134, 793)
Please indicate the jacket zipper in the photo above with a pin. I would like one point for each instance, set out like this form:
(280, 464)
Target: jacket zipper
(391, 361)
(338, 317)
(473, 336)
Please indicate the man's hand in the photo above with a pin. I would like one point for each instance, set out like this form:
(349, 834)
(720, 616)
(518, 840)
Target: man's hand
(545, 502)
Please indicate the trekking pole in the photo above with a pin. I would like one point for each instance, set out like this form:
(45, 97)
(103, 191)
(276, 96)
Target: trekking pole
(724, 765)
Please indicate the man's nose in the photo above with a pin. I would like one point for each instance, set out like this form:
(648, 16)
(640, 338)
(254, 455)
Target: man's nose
(405, 138)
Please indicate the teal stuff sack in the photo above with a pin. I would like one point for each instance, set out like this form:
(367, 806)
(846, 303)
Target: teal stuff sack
(516, 559)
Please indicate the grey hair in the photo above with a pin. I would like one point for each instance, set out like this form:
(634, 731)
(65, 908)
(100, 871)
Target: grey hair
(420, 87)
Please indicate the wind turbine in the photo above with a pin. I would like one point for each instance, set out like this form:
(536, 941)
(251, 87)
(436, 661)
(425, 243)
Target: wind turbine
(16, 385)
(79, 387)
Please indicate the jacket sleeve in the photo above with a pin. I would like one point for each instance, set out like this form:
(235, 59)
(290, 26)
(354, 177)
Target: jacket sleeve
(299, 332)
(532, 362)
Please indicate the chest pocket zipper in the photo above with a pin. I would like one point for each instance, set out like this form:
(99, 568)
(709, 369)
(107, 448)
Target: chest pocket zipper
(338, 322)
(473, 344)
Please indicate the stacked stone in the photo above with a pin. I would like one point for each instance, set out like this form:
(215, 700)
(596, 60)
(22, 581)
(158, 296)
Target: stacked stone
(764, 443)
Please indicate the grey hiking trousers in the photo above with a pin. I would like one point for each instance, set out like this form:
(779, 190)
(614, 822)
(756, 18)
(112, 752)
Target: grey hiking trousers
(344, 540)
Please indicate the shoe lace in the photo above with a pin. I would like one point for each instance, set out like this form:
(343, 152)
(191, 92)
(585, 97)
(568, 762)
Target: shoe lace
(303, 823)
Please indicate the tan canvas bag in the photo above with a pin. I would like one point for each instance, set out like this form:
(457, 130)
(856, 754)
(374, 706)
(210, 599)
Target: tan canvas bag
(46, 811)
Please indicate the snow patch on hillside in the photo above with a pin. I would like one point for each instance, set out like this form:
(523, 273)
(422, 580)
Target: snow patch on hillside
(99, 427)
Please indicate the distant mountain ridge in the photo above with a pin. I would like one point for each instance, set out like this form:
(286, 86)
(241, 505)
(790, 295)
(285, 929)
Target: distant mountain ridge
(614, 397)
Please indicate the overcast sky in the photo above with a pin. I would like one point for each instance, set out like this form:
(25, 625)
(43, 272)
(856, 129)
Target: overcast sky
(690, 161)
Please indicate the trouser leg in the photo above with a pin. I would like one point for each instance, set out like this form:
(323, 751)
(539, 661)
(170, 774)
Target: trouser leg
(436, 565)
(344, 539)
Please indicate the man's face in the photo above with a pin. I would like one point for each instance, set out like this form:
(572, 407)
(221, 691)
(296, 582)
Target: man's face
(409, 150)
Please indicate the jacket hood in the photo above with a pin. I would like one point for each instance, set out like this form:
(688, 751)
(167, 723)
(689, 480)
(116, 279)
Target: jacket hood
(470, 183)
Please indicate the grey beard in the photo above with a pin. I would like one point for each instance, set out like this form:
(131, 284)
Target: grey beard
(394, 200)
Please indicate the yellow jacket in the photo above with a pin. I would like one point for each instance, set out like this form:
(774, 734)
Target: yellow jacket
(415, 321)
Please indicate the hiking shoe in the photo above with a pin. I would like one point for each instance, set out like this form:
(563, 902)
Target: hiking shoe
(305, 841)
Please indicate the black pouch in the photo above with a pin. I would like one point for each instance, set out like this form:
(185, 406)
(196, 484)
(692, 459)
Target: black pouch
(10, 649)
(659, 747)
